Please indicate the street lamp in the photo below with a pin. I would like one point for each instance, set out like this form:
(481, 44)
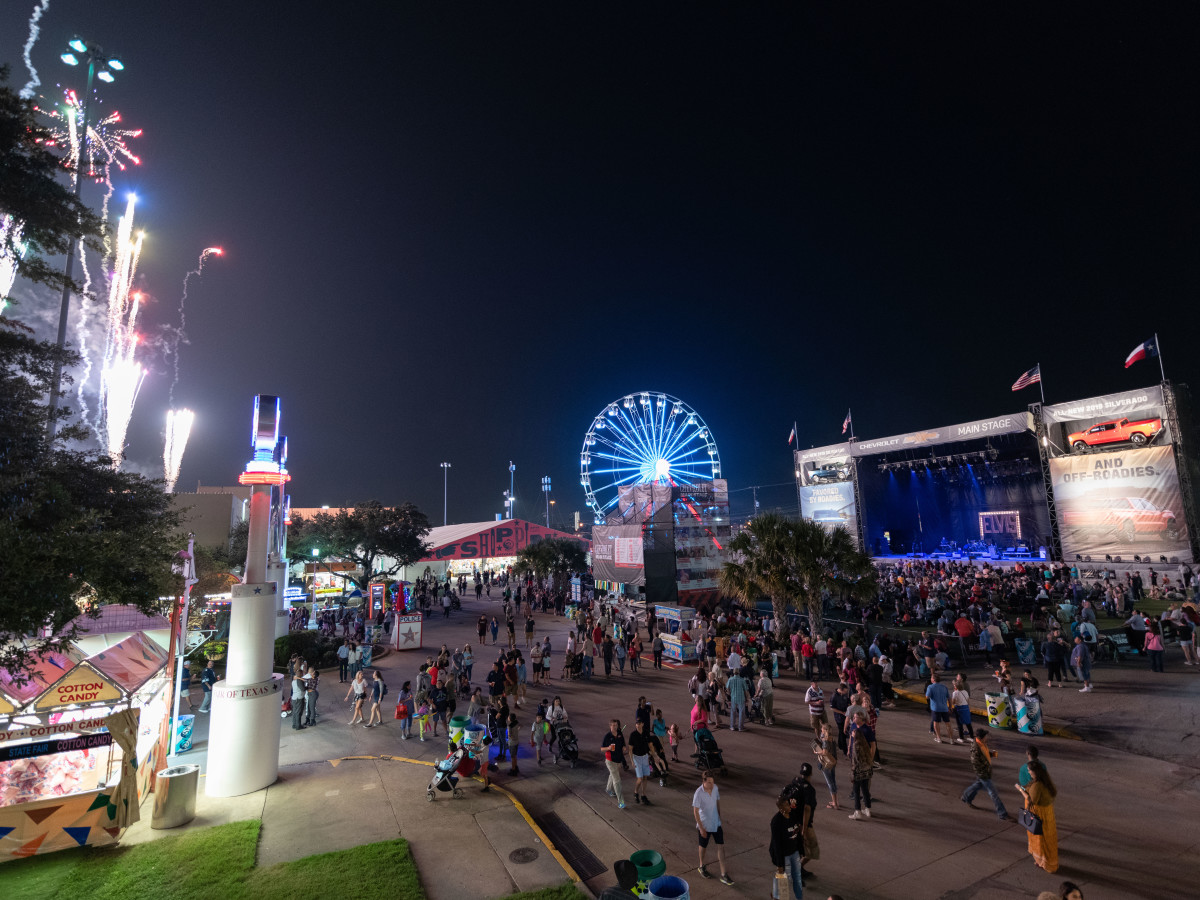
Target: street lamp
(445, 492)
(100, 65)
(316, 559)
(546, 491)
(512, 492)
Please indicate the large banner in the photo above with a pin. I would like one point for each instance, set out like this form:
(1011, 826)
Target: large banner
(968, 431)
(1112, 422)
(1121, 504)
(823, 465)
(505, 538)
(830, 505)
(618, 554)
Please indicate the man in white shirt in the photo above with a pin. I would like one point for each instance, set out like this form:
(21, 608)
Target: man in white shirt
(706, 807)
(735, 660)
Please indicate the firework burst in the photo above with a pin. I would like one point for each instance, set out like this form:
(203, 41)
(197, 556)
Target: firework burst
(176, 336)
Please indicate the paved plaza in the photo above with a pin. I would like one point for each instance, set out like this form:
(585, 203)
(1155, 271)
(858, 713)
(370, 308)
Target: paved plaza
(1123, 810)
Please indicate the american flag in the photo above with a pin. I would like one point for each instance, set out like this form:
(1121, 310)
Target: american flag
(846, 424)
(1033, 376)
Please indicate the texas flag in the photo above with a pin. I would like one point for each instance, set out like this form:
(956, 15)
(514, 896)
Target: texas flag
(1143, 351)
(792, 436)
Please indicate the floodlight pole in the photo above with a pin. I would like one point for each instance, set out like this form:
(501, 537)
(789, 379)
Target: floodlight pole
(512, 494)
(445, 493)
(546, 491)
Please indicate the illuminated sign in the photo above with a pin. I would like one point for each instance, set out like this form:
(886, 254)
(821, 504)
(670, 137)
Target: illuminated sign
(83, 684)
(999, 525)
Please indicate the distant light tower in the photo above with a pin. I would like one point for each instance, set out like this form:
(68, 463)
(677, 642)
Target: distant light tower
(445, 493)
(546, 491)
(95, 59)
(512, 492)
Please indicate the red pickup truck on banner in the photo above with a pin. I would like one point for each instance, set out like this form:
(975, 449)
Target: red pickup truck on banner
(1118, 431)
(1124, 518)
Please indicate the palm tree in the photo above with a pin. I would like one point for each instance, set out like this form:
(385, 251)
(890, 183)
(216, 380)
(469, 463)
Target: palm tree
(795, 563)
(554, 557)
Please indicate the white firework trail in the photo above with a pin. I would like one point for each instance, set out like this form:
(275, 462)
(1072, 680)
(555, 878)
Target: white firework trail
(34, 31)
(12, 248)
(179, 428)
(177, 336)
(121, 375)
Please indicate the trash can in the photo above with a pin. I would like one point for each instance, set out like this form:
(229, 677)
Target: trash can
(458, 725)
(175, 796)
(1029, 714)
(668, 887)
(183, 733)
(650, 864)
(999, 711)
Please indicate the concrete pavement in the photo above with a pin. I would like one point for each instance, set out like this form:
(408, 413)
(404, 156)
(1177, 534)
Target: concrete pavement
(1121, 817)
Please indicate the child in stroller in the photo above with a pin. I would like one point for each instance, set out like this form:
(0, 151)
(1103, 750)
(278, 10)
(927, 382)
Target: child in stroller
(708, 755)
(445, 773)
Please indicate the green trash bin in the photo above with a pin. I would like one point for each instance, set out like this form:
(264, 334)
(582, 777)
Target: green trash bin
(650, 864)
(458, 725)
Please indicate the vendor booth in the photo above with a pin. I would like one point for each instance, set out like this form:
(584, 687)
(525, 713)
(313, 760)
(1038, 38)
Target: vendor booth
(78, 743)
(673, 623)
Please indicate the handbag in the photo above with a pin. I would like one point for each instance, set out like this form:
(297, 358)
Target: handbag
(1030, 822)
(401, 710)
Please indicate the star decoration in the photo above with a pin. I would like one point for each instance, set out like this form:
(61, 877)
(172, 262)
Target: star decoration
(409, 636)
(258, 590)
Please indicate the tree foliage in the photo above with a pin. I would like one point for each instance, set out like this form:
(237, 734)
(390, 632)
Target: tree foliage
(74, 532)
(31, 193)
(795, 563)
(555, 558)
(380, 540)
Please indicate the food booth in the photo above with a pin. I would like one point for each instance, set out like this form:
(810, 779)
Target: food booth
(79, 740)
(673, 623)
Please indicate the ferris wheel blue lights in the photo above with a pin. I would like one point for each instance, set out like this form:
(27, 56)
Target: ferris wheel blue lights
(641, 438)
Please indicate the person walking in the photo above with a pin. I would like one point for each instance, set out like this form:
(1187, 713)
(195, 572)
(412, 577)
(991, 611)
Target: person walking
(354, 659)
(615, 750)
(208, 677)
(1153, 643)
(639, 749)
(378, 692)
(343, 655)
(806, 802)
(1081, 662)
(826, 749)
(981, 761)
(960, 699)
(495, 625)
(481, 629)
(404, 710)
(815, 698)
(1040, 795)
(358, 687)
(735, 686)
(706, 808)
(657, 649)
(939, 708)
(185, 684)
(786, 831)
(765, 694)
(861, 753)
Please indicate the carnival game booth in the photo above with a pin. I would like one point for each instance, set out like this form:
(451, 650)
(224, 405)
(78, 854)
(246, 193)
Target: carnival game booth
(79, 739)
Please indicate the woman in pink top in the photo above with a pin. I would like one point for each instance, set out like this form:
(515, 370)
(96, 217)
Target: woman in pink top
(699, 716)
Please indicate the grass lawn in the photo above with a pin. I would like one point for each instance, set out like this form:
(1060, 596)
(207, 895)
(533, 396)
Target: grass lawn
(218, 864)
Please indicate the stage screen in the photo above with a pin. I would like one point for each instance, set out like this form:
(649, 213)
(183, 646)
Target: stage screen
(830, 505)
(1108, 423)
(1126, 503)
(823, 465)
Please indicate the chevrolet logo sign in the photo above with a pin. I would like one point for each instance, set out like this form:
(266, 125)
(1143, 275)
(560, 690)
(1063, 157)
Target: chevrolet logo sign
(922, 437)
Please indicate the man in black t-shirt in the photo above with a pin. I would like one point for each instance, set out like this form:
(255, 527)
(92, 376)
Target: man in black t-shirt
(806, 805)
(639, 747)
(495, 681)
(785, 846)
(614, 750)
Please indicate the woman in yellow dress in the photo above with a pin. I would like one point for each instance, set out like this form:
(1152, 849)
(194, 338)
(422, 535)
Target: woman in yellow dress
(1039, 800)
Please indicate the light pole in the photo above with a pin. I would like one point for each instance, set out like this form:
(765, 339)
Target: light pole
(316, 561)
(445, 493)
(100, 65)
(512, 492)
(546, 491)
(507, 505)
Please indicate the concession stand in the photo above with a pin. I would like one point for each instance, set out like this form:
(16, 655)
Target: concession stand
(673, 623)
(79, 739)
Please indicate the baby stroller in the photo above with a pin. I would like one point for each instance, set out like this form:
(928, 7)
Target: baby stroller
(566, 744)
(572, 666)
(754, 712)
(445, 778)
(708, 755)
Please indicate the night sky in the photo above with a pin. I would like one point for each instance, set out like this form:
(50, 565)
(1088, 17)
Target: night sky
(458, 231)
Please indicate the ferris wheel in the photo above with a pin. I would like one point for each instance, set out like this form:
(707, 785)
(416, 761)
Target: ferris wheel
(642, 438)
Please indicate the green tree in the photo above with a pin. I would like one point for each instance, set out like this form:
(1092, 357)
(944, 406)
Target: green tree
(380, 540)
(794, 563)
(30, 192)
(555, 558)
(74, 533)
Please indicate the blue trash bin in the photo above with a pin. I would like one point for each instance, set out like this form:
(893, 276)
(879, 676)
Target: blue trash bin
(668, 887)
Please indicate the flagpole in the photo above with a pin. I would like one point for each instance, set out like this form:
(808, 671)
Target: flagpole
(1041, 384)
(1161, 368)
(850, 416)
(799, 508)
